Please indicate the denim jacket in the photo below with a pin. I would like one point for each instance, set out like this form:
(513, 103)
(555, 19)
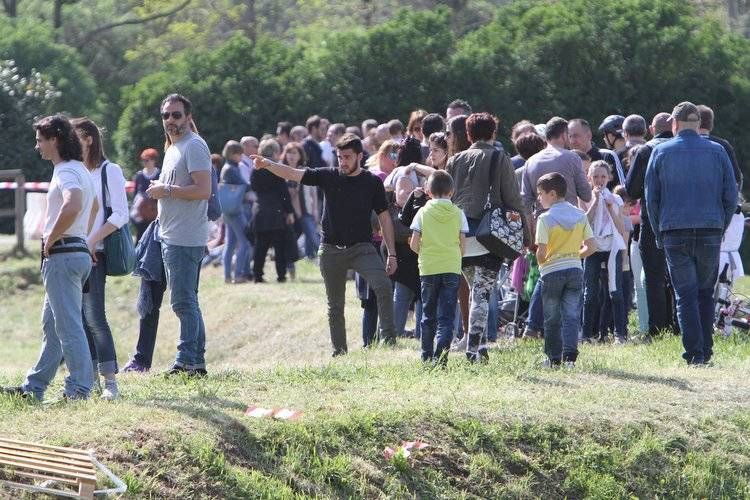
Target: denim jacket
(689, 185)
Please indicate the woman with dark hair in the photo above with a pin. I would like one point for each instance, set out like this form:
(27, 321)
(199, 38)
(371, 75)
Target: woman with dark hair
(399, 185)
(66, 263)
(234, 221)
(456, 135)
(112, 216)
(471, 170)
(304, 199)
(144, 208)
(414, 128)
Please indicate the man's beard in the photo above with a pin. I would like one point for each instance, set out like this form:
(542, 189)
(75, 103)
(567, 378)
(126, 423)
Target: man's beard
(176, 129)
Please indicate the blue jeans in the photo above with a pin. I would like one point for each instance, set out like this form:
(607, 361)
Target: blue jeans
(98, 332)
(536, 310)
(235, 237)
(312, 238)
(693, 261)
(439, 299)
(182, 265)
(402, 297)
(593, 312)
(561, 293)
(63, 275)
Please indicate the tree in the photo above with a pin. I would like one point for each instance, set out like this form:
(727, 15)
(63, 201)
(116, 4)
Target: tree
(237, 89)
(592, 58)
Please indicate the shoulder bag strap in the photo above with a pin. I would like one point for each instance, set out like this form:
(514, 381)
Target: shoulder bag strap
(105, 189)
(493, 169)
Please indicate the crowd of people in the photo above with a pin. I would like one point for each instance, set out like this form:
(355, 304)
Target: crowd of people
(638, 225)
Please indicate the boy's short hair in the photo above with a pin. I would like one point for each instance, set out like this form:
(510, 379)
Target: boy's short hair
(269, 148)
(440, 183)
(553, 182)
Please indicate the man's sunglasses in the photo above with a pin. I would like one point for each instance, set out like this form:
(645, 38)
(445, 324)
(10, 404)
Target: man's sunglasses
(174, 114)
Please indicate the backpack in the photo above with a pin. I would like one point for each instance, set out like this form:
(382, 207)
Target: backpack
(214, 207)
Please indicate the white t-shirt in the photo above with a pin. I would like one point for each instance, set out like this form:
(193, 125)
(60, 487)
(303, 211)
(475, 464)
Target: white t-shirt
(116, 198)
(67, 176)
(326, 152)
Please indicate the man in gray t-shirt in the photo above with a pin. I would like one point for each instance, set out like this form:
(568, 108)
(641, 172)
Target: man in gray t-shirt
(183, 190)
(184, 222)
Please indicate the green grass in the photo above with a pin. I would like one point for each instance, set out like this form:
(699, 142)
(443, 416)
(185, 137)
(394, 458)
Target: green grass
(627, 422)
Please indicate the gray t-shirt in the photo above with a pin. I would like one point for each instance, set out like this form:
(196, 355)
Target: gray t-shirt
(184, 222)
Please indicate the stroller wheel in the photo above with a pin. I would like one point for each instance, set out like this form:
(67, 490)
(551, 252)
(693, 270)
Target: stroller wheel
(511, 330)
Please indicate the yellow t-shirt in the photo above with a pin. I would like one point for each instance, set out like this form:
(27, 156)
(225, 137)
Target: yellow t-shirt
(563, 228)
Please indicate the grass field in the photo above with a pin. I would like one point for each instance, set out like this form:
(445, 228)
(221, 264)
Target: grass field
(629, 421)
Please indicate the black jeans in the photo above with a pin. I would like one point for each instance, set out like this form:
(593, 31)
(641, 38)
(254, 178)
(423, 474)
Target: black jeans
(144, 351)
(659, 292)
(263, 241)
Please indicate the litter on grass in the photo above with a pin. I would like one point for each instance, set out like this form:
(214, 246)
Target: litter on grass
(404, 449)
(275, 413)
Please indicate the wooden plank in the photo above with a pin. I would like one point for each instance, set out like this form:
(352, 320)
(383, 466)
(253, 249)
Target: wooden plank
(57, 462)
(42, 467)
(33, 461)
(46, 447)
(46, 478)
(48, 455)
(86, 489)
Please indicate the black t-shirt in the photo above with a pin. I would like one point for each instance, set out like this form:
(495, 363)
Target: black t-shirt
(348, 203)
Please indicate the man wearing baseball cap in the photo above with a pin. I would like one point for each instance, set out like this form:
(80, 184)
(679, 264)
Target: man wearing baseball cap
(691, 196)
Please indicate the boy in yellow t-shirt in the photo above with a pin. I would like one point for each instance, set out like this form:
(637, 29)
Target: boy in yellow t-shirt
(438, 237)
(560, 233)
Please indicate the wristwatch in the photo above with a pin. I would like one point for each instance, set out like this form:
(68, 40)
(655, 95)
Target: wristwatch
(168, 190)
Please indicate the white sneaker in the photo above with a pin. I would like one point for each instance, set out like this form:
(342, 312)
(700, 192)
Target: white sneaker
(569, 365)
(110, 392)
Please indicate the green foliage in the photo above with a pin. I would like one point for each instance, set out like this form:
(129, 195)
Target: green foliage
(39, 59)
(237, 89)
(594, 58)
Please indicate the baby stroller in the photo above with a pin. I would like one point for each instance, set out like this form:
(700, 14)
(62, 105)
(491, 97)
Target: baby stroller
(732, 309)
(512, 308)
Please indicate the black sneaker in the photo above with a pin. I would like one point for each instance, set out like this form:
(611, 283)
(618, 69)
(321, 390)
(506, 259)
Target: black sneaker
(281, 279)
(178, 370)
(18, 392)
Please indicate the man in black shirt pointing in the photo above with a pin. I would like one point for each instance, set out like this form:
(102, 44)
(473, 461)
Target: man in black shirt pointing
(351, 195)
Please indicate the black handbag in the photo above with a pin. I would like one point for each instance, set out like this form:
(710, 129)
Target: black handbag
(118, 246)
(500, 231)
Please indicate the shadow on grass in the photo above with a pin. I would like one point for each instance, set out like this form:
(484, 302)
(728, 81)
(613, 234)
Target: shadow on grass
(243, 446)
(539, 380)
(648, 379)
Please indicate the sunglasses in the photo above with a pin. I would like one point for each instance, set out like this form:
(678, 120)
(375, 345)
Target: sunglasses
(174, 114)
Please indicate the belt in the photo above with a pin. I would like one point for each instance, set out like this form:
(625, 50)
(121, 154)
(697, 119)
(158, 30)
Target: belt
(70, 240)
(61, 246)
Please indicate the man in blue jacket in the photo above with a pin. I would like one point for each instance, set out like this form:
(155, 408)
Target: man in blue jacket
(691, 196)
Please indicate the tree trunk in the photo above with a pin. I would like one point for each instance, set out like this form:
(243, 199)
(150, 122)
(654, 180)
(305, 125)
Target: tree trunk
(57, 16)
(367, 12)
(251, 20)
(11, 7)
